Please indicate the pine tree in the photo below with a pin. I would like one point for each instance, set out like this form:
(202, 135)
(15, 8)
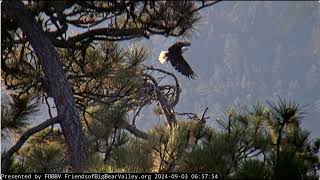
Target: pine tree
(34, 30)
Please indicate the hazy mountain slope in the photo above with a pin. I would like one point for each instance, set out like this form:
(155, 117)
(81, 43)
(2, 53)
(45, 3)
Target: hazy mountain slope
(249, 51)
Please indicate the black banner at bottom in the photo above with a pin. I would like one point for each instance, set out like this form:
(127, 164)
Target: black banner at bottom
(106, 176)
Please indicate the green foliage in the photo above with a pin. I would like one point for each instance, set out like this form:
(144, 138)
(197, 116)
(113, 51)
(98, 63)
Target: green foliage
(252, 169)
(45, 152)
(14, 116)
(15, 166)
(169, 145)
(212, 156)
(287, 164)
(136, 55)
(44, 158)
(242, 149)
(157, 110)
(132, 157)
(105, 118)
(285, 112)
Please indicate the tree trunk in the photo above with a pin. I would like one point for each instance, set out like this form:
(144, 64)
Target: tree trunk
(58, 84)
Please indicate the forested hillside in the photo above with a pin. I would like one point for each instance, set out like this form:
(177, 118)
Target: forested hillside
(244, 52)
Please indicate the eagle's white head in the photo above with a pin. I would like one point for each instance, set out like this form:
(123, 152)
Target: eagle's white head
(163, 57)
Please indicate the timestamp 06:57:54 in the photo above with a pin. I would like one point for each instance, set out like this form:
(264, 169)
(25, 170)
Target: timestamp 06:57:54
(194, 176)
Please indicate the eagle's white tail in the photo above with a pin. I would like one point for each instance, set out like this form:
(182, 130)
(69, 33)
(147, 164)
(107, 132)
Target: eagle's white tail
(163, 57)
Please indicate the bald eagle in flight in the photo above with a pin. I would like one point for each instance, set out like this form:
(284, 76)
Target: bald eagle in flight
(174, 55)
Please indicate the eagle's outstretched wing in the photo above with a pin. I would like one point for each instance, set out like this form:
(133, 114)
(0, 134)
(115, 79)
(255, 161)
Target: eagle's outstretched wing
(177, 60)
(179, 63)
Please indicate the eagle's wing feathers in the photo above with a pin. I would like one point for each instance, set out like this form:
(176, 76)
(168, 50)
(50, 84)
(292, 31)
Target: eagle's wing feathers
(176, 47)
(181, 65)
(178, 61)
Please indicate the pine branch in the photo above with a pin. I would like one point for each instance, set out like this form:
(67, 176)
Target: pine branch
(135, 131)
(5, 165)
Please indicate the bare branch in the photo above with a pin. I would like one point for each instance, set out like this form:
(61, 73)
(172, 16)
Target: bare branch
(203, 114)
(190, 115)
(107, 32)
(137, 114)
(24, 137)
(166, 108)
(135, 131)
(206, 5)
(177, 88)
